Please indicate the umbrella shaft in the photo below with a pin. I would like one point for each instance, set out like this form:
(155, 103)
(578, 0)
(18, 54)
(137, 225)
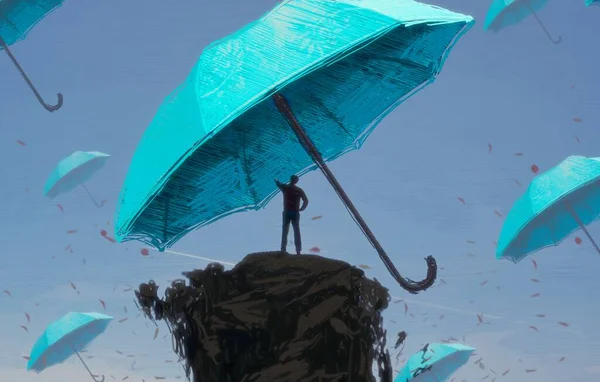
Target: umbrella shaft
(307, 144)
(582, 226)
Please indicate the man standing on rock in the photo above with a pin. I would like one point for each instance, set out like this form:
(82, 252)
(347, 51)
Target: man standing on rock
(292, 195)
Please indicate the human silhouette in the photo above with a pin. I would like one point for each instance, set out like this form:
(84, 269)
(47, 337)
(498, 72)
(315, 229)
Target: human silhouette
(292, 195)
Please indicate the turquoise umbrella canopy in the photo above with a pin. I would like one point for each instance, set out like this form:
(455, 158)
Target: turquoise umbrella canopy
(74, 171)
(17, 18)
(557, 203)
(435, 363)
(66, 337)
(592, 2)
(301, 86)
(503, 13)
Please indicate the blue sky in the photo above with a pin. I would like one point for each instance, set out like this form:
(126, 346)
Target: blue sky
(115, 61)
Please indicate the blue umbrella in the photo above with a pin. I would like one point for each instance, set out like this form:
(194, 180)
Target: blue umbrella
(592, 2)
(17, 18)
(301, 86)
(503, 13)
(73, 171)
(558, 202)
(69, 335)
(435, 363)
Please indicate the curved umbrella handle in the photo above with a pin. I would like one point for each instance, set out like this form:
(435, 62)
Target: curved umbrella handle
(555, 42)
(99, 380)
(409, 285)
(50, 108)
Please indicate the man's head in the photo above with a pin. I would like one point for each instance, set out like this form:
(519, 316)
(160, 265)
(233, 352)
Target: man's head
(294, 179)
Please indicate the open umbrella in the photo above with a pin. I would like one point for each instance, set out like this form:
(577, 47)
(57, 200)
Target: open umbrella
(67, 337)
(17, 18)
(73, 171)
(558, 202)
(435, 363)
(503, 13)
(301, 86)
(592, 2)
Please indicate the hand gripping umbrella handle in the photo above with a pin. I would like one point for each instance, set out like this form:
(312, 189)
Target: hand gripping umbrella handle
(407, 284)
(50, 108)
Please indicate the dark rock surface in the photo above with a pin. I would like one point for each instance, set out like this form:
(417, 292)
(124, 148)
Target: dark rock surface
(275, 317)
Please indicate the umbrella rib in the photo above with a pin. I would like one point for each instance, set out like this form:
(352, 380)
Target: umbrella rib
(407, 284)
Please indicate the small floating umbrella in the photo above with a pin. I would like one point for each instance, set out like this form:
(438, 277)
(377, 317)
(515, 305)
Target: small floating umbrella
(302, 86)
(557, 203)
(73, 171)
(503, 13)
(17, 18)
(435, 363)
(67, 337)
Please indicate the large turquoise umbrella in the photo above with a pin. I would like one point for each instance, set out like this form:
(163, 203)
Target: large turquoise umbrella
(74, 171)
(301, 86)
(557, 203)
(17, 18)
(503, 13)
(66, 337)
(435, 363)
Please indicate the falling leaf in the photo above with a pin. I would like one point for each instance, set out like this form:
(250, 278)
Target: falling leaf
(483, 283)
(73, 285)
(535, 169)
(577, 120)
(517, 182)
(60, 207)
(530, 370)
(28, 318)
(535, 295)
(155, 333)
(124, 378)
(534, 328)
(21, 143)
(506, 372)
(480, 318)
(495, 243)
(72, 231)
(563, 324)
(103, 232)
(123, 320)
(159, 377)
(103, 304)
(364, 266)
(577, 240)
(26, 357)
(535, 266)
(105, 235)
(317, 217)
(25, 328)
(540, 315)
(576, 139)
(535, 280)
(561, 359)
(497, 213)
(7, 293)
(470, 242)
(315, 250)
(145, 252)
(462, 201)
(518, 154)
(442, 281)
(405, 308)
(490, 148)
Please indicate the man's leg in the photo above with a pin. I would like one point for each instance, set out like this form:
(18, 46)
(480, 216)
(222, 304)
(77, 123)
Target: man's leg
(285, 228)
(297, 238)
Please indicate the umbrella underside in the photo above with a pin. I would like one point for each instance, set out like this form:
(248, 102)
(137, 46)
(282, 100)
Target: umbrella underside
(17, 18)
(337, 106)
(551, 226)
